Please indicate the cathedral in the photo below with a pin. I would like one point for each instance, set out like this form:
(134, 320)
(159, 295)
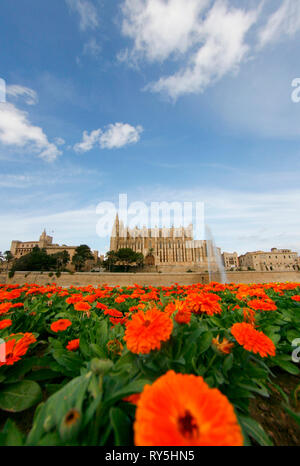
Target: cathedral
(166, 249)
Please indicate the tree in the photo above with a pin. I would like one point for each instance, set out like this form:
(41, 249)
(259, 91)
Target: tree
(110, 260)
(8, 258)
(36, 260)
(62, 259)
(82, 254)
(139, 259)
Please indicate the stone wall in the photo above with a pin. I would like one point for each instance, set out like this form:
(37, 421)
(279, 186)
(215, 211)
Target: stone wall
(146, 279)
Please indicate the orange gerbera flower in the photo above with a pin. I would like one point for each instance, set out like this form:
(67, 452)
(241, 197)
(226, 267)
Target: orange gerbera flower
(5, 324)
(224, 347)
(262, 305)
(183, 314)
(296, 298)
(182, 410)
(253, 340)
(15, 348)
(205, 302)
(75, 298)
(73, 345)
(101, 306)
(113, 313)
(120, 299)
(146, 331)
(5, 307)
(60, 325)
(82, 306)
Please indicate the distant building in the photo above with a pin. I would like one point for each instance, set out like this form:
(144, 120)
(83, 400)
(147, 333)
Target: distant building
(166, 249)
(230, 260)
(21, 248)
(276, 260)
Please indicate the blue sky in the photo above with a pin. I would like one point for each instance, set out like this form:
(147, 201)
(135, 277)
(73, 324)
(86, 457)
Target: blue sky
(161, 99)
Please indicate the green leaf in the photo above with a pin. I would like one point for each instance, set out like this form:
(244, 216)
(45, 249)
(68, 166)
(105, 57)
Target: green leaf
(50, 414)
(295, 416)
(228, 363)
(204, 342)
(70, 361)
(132, 388)
(286, 365)
(121, 426)
(192, 338)
(84, 346)
(255, 431)
(11, 436)
(97, 351)
(102, 331)
(20, 396)
(292, 335)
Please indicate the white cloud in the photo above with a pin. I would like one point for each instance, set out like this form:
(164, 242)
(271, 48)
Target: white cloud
(59, 141)
(114, 137)
(284, 21)
(160, 28)
(30, 95)
(87, 13)
(119, 135)
(92, 48)
(88, 141)
(212, 42)
(16, 130)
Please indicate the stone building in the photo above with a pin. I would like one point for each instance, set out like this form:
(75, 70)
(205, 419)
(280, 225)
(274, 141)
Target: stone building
(166, 249)
(275, 260)
(230, 260)
(21, 248)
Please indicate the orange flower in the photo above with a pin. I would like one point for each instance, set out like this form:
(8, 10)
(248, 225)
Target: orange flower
(60, 325)
(120, 299)
(101, 306)
(183, 316)
(114, 313)
(182, 410)
(145, 331)
(75, 298)
(17, 305)
(73, 345)
(82, 306)
(296, 298)
(262, 305)
(224, 347)
(5, 307)
(15, 348)
(184, 313)
(205, 302)
(253, 340)
(5, 323)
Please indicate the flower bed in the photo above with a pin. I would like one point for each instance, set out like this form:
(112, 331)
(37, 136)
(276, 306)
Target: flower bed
(150, 366)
